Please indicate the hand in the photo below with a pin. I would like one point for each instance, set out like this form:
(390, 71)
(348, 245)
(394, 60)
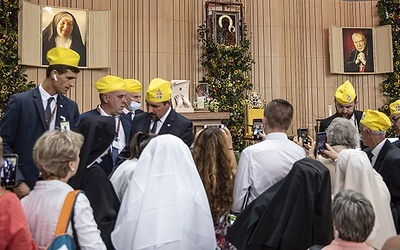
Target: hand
(262, 135)
(298, 141)
(329, 152)
(310, 148)
(21, 190)
(361, 58)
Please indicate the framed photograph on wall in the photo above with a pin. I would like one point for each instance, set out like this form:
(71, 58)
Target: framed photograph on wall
(226, 27)
(358, 50)
(67, 28)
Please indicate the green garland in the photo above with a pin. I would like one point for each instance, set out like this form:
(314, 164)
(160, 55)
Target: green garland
(227, 68)
(389, 13)
(13, 79)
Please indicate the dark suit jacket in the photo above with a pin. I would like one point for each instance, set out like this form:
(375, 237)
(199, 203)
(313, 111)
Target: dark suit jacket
(388, 165)
(324, 124)
(175, 124)
(107, 163)
(24, 122)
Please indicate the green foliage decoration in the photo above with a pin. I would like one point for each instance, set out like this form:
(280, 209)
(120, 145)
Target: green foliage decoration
(13, 79)
(227, 72)
(389, 14)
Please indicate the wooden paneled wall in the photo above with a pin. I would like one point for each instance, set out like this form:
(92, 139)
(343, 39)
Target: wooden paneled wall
(158, 38)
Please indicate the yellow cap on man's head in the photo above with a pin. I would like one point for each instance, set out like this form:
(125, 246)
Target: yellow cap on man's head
(345, 93)
(63, 56)
(375, 120)
(395, 108)
(133, 86)
(159, 90)
(109, 84)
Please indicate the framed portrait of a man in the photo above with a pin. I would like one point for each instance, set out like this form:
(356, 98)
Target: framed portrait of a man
(61, 27)
(358, 50)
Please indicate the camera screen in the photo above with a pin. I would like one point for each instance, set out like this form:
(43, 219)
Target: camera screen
(321, 140)
(8, 170)
(302, 133)
(257, 129)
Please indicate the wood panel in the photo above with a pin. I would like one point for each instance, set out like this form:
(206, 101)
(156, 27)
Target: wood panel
(158, 38)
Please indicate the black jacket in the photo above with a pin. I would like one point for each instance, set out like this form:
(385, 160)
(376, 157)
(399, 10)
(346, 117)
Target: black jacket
(295, 213)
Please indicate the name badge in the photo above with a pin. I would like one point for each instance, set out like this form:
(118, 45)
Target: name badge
(64, 126)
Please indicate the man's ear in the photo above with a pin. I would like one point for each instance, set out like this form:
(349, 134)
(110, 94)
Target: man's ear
(104, 98)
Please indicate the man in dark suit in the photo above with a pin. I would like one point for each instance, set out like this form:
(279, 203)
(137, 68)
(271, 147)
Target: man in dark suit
(385, 157)
(133, 97)
(160, 118)
(29, 114)
(361, 58)
(345, 104)
(112, 96)
(395, 115)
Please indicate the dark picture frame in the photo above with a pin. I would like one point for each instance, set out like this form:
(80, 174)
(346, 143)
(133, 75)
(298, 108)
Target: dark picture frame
(50, 19)
(358, 50)
(226, 27)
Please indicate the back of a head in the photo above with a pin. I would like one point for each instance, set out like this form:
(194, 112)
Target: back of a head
(99, 133)
(393, 243)
(279, 114)
(210, 154)
(342, 132)
(139, 142)
(54, 150)
(353, 216)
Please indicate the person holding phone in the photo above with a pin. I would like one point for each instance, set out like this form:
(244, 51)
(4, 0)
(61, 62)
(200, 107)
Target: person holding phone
(263, 164)
(14, 230)
(29, 114)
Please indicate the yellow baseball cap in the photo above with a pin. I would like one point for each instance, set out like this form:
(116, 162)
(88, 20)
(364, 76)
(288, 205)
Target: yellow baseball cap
(375, 120)
(345, 93)
(109, 84)
(159, 90)
(63, 56)
(395, 108)
(133, 85)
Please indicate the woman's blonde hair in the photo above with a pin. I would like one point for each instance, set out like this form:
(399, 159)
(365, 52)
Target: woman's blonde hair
(54, 150)
(211, 156)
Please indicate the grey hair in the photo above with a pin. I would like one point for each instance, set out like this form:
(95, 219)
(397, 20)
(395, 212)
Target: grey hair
(353, 216)
(342, 132)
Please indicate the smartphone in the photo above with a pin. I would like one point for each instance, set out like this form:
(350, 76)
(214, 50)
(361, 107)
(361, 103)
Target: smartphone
(302, 134)
(257, 129)
(8, 171)
(220, 126)
(320, 143)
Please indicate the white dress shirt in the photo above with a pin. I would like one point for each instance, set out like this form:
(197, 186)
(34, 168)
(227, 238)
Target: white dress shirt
(53, 105)
(42, 208)
(262, 165)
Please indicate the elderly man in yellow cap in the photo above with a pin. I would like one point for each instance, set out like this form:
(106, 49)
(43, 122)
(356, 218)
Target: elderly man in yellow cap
(29, 114)
(345, 103)
(384, 156)
(112, 96)
(133, 97)
(395, 115)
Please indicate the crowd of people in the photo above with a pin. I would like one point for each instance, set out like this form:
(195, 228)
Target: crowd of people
(149, 182)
